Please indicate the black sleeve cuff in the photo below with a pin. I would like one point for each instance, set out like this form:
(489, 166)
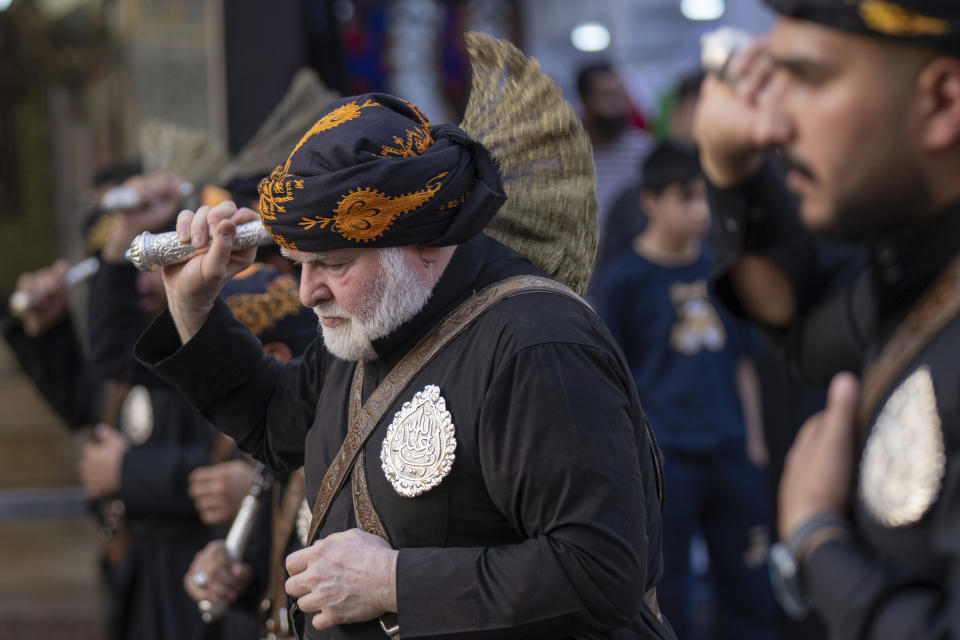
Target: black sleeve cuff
(754, 215)
(759, 217)
(220, 357)
(839, 572)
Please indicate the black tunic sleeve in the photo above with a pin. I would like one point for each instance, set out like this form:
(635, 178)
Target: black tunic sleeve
(154, 478)
(56, 364)
(829, 283)
(265, 406)
(559, 453)
(115, 322)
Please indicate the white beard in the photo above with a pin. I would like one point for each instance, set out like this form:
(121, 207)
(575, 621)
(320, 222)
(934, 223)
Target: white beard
(394, 297)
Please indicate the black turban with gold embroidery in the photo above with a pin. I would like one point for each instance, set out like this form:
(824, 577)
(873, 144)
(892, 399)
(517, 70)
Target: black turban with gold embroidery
(267, 301)
(373, 172)
(929, 22)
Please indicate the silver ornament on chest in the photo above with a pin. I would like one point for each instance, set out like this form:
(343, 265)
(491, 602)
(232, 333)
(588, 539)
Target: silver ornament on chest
(136, 415)
(304, 515)
(418, 450)
(903, 463)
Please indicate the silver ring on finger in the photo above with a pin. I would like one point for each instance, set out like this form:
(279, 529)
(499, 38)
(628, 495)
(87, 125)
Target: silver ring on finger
(200, 579)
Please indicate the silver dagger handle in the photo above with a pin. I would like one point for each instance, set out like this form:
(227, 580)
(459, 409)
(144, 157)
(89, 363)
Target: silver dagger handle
(150, 251)
(239, 535)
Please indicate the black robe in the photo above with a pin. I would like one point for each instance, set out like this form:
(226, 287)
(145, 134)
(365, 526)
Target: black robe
(547, 525)
(899, 582)
(55, 363)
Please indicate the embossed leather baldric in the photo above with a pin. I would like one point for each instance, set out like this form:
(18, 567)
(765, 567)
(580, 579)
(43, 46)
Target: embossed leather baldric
(938, 306)
(363, 509)
(365, 419)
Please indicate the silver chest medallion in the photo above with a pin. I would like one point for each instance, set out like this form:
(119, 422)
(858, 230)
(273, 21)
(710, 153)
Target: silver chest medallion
(136, 415)
(903, 463)
(304, 515)
(418, 450)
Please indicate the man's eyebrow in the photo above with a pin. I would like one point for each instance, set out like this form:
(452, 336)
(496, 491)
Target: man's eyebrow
(796, 64)
(304, 258)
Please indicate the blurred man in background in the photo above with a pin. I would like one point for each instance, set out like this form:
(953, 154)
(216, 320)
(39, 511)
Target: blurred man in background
(618, 147)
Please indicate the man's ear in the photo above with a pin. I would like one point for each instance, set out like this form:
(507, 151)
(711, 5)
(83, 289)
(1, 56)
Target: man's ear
(434, 255)
(938, 89)
(648, 203)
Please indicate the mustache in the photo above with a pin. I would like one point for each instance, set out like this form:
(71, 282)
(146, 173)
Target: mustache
(792, 163)
(331, 310)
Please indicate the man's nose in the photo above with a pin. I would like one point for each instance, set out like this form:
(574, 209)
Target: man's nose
(313, 287)
(774, 126)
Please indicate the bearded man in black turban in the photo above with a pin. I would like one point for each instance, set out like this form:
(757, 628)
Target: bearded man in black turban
(862, 100)
(503, 481)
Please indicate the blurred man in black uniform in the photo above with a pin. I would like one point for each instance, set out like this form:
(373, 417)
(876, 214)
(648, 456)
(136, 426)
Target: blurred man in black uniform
(528, 503)
(44, 336)
(863, 101)
(137, 467)
(143, 466)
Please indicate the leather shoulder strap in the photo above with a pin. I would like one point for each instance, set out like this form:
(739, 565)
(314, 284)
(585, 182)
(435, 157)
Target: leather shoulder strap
(938, 306)
(283, 522)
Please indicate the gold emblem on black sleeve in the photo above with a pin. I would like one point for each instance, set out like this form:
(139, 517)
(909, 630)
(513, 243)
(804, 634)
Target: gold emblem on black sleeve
(418, 450)
(903, 463)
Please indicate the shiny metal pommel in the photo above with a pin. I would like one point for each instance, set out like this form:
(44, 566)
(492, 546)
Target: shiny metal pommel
(129, 199)
(150, 251)
(717, 49)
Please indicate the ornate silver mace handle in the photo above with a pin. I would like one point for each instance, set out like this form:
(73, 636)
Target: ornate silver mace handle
(150, 251)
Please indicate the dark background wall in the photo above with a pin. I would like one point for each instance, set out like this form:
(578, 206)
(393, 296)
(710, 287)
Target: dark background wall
(265, 44)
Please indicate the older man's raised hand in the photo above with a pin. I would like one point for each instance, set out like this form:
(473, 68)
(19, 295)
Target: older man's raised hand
(193, 286)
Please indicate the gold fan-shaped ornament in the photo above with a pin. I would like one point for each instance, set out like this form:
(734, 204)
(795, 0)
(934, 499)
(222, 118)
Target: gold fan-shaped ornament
(517, 112)
(188, 153)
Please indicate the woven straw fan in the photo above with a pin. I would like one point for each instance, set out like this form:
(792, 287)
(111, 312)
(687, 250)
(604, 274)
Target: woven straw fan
(187, 153)
(545, 158)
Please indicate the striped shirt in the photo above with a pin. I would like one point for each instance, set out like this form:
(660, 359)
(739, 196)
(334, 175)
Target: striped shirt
(618, 167)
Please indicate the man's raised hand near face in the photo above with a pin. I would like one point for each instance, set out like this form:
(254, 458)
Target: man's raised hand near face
(193, 287)
(345, 577)
(734, 123)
